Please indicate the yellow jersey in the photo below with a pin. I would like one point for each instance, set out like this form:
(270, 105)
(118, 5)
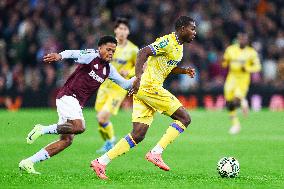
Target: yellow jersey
(124, 58)
(236, 59)
(168, 52)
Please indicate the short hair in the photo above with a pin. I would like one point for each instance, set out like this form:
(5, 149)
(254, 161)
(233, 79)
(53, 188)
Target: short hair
(183, 21)
(121, 20)
(107, 39)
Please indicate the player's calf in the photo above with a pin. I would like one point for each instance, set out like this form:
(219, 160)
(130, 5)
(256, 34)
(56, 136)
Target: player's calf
(182, 115)
(139, 132)
(56, 147)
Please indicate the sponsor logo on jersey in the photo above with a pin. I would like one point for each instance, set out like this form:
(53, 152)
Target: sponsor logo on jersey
(96, 77)
(86, 51)
(172, 62)
(162, 44)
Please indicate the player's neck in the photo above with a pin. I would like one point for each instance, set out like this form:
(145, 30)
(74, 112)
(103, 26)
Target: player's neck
(122, 43)
(242, 46)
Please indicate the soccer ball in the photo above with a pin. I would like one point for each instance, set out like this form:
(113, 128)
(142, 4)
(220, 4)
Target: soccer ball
(228, 167)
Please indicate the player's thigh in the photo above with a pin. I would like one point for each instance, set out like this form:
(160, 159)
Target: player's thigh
(161, 100)
(101, 99)
(113, 102)
(241, 90)
(142, 113)
(68, 108)
(229, 89)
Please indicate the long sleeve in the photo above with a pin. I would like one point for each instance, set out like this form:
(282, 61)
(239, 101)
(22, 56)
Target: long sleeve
(254, 65)
(80, 56)
(226, 58)
(118, 79)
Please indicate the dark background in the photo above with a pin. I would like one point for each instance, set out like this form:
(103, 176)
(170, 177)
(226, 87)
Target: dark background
(29, 29)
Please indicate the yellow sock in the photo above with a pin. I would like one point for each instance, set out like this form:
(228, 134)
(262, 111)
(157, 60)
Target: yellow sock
(234, 117)
(121, 147)
(172, 133)
(106, 130)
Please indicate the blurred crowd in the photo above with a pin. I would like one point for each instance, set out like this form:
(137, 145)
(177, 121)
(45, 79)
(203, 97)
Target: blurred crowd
(29, 29)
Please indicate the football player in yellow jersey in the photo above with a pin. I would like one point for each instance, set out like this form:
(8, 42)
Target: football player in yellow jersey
(241, 60)
(110, 95)
(149, 97)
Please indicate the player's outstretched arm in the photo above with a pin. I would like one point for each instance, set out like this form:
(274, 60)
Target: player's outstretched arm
(142, 57)
(189, 71)
(254, 65)
(80, 56)
(52, 57)
(118, 79)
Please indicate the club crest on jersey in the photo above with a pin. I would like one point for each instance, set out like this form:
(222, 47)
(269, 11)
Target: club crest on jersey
(96, 77)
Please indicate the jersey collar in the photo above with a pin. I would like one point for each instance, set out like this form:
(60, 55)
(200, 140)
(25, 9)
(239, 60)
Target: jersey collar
(238, 45)
(177, 40)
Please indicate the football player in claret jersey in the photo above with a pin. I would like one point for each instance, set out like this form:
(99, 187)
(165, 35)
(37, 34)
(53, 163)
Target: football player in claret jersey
(93, 69)
(149, 97)
(110, 95)
(241, 60)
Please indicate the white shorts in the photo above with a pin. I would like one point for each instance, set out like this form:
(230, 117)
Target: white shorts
(68, 108)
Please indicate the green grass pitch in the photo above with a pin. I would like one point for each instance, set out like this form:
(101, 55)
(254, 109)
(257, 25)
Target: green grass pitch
(192, 157)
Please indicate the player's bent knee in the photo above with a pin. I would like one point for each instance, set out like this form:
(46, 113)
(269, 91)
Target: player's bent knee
(80, 130)
(102, 118)
(230, 105)
(80, 127)
(186, 119)
(237, 102)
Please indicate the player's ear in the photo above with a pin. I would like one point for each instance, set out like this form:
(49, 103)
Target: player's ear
(101, 49)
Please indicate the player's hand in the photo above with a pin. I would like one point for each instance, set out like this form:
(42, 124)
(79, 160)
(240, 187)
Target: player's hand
(124, 73)
(190, 72)
(52, 57)
(135, 87)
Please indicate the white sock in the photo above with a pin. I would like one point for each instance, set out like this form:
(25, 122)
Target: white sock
(104, 159)
(113, 139)
(157, 149)
(39, 156)
(244, 103)
(51, 129)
